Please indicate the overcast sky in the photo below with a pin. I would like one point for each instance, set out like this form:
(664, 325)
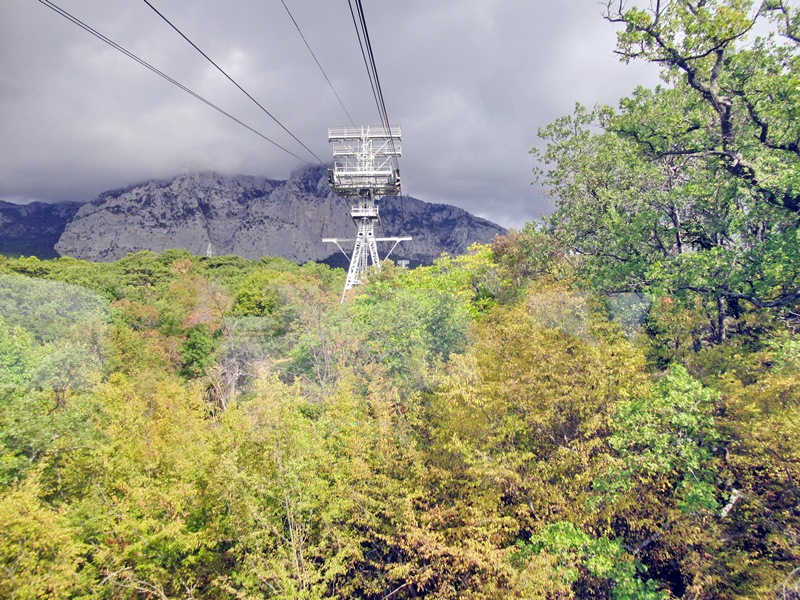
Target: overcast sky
(469, 83)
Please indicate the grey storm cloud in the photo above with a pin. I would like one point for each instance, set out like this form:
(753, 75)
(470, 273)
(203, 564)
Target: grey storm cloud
(469, 83)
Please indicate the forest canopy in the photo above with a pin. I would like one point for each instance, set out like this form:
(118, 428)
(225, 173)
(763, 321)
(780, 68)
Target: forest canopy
(602, 405)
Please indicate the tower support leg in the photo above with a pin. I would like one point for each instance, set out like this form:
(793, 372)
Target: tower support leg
(373, 247)
(365, 249)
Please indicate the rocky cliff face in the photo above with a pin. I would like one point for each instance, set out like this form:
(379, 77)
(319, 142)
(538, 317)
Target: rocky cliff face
(255, 217)
(33, 229)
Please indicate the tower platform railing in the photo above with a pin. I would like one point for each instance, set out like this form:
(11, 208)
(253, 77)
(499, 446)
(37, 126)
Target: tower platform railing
(368, 131)
(368, 211)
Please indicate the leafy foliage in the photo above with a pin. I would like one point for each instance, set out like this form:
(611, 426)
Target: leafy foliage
(580, 559)
(690, 189)
(498, 424)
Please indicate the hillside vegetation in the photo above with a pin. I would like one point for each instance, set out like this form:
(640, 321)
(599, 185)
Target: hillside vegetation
(602, 405)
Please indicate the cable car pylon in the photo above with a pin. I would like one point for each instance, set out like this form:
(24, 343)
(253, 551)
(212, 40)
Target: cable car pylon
(364, 168)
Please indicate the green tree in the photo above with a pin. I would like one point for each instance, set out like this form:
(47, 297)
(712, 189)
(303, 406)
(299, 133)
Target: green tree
(583, 564)
(257, 296)
(693, 186)
(513, 435)
(528, 257)
(17, 356)
(136, 496)
(48, 309)
(197, 351)
(669, 432)
(40, 556)
(761, 471)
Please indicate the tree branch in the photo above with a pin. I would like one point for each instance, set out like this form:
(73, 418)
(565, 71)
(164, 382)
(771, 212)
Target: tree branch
(785, 299)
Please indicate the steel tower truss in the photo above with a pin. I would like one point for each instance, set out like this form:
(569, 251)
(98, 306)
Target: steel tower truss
(364, 168)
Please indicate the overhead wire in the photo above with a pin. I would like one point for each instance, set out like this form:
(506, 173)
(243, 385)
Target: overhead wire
(324, 74)
(372, 70)
(57, 9)
(233, 81)
(364, 56)
(362, 33)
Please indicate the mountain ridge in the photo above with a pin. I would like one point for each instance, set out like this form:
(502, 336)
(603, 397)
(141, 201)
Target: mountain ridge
(250, 216)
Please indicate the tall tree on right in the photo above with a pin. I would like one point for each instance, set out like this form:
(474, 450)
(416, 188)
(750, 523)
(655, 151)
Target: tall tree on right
(693, 186)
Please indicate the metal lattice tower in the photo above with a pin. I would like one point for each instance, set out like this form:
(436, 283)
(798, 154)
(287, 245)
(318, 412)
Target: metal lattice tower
(364, 167)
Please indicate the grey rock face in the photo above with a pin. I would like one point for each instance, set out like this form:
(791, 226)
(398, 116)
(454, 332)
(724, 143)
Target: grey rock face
(255, 217)
(33, 229)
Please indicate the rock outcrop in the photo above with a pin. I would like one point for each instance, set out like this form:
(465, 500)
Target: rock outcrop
(255, 217)
(33, 229)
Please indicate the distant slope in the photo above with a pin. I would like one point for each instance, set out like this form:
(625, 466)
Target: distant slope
(243, 215)
(33, 229)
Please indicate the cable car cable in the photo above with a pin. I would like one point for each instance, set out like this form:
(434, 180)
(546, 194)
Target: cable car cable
(291, 16)
(147, 65)
(373, 70)
(372, 67)
(364, 56)
(221, 70)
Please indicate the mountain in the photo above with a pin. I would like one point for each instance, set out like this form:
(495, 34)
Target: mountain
(33, 229)
(255, 217)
